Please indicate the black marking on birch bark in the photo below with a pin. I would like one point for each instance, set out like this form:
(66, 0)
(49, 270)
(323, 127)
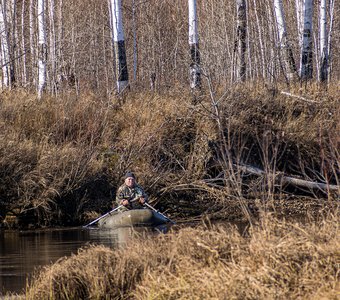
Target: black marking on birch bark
(307, 57)
(195, 71)
(43, 52)
(324, 68)
(121, 65)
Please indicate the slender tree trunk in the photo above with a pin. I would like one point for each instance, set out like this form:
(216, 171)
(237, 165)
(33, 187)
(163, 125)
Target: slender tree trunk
(122, 77)
(241, 35)
(5, 63)
(195, 72)
(42, 48)
(252, 65)
(32, 43)
(134, 27)
(323, 68)
(12, 28)
(52, 53)
(23, 48)
(60, 74)
(272, 33)
(284, 46)
(299, 19)
(7, 54)
(306, 71)
(260, 41)
(331, 13)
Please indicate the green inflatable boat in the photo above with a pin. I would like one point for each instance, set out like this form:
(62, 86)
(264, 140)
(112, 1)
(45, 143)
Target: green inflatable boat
(133, 217)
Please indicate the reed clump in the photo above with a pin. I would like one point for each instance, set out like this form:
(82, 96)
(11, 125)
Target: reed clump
(275, 259)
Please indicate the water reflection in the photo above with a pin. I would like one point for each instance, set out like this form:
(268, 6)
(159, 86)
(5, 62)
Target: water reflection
(22, 251)
(120, 236)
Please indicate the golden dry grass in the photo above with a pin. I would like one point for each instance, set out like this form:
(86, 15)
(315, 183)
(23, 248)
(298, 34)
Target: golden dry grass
(276, 260)
(54, 152)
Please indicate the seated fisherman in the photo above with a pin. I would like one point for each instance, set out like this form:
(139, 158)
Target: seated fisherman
(130, 194)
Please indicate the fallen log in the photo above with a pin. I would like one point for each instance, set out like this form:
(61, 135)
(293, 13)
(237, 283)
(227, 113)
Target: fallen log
(291, 180)
(299, 97)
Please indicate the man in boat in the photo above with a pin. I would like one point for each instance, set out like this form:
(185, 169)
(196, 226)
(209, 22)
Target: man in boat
(130, 194)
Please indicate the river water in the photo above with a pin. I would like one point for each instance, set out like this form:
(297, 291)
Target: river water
(23, 251)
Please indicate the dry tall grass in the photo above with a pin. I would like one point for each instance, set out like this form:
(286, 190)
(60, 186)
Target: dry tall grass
(275, 260)
(62, 158)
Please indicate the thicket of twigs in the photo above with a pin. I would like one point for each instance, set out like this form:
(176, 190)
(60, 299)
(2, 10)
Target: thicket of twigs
(275, 260)
(80, 54)
(62, 158)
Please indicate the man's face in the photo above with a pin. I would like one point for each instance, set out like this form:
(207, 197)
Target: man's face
(130, 181)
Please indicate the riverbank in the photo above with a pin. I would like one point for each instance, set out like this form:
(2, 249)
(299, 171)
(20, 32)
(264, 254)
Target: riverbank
(273, 259)
(63, 158)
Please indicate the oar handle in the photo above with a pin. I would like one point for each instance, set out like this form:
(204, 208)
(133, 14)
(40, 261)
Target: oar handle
(154, 209)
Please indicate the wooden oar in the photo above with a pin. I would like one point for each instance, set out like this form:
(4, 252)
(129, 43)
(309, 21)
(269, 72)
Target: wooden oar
(154, 209)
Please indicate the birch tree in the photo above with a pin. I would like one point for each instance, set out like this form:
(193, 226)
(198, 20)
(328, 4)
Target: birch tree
(23, 42)
(323, 68)
(42, 48)
(32, 27)
(12, 33)
(299, 19)
(195, 73)
(260, 43)
(118, 41)
(331, 13)
(284, 46)
(306, 64)
(52, 52)
(5, 51)
(240, 44)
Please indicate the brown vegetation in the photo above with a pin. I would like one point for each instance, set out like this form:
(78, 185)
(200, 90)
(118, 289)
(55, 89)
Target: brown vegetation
(62, 158)
(273, 260)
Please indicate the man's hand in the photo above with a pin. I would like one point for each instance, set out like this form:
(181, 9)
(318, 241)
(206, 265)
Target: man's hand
(124, 202)
(141, 200)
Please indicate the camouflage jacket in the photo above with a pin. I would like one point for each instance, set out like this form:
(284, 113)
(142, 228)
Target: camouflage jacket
(125, 192)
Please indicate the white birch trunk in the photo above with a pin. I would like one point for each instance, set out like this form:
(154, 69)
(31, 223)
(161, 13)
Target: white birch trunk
(42, 48)
(299, 19)
(251, 61)
(260, 42)
(323, 68)
(32, 43)
(23, 48)
(284, 46)
(52, 53)
(13, 41)
(306, 65)
(331, 14)
(60, 76)
(195, 72)
(122, 77)
(241, 35)
(4, 46)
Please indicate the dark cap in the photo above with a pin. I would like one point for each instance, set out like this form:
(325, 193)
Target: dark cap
(130, 174)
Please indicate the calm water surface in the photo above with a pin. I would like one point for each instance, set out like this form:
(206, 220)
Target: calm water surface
(22, 251)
